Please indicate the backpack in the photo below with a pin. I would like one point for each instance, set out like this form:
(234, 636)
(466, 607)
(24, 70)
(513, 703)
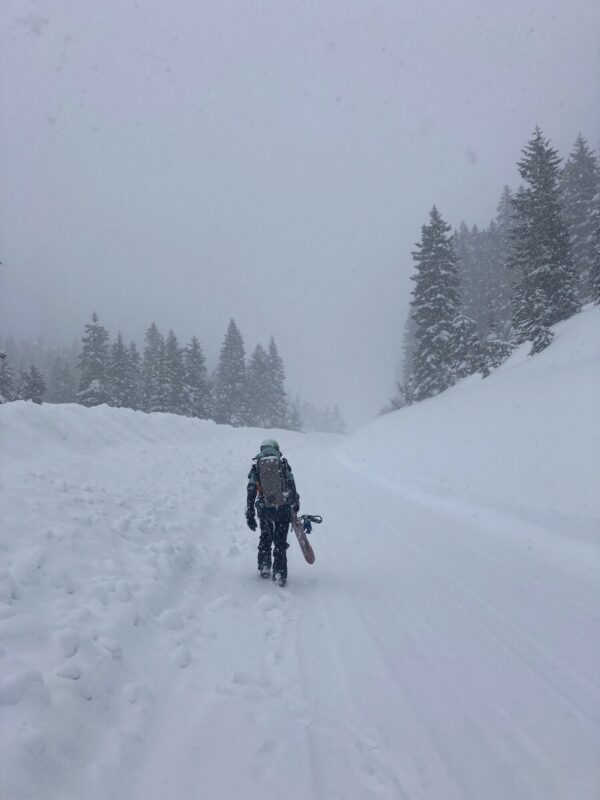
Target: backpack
(272, 481)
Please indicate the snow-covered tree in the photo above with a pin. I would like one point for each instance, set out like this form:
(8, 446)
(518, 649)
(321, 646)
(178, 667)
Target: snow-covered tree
(502, 278)
(133, 378)
(118, 376)
(259, 389)
(409, 341)
(278, 405)
(580, 184)
(8, 384)
(61, 382)
(322, 420)
(545, 290)
(153, 369)
(472, 254)
(173, 400)
(335, 421)
(435, 306)
(230, 380)
(93, 362)
(595, 275)
(197, 400)
(294, 421)
(33, 386)
(467, 357)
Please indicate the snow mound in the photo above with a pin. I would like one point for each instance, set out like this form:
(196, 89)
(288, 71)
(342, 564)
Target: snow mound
(524, 441)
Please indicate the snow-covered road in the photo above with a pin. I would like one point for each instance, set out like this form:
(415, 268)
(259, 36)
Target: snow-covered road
(434, 651)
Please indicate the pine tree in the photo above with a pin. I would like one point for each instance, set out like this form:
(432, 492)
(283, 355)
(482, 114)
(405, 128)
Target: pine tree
(545, 291)
(153, 370)
(278, 408)
(8, 385)
(93, 362)
(580, 184)
(435, 306)
(118, 370)
(173, 400)
(408, 348)
(595, 275)
(472, 253)
(133, 378)
(33, 386)
(259, 389)
(503, 277)
(467, 356)
(61, 382)
(337, 422)
(294, 422)
(196, 386)
(230, 380)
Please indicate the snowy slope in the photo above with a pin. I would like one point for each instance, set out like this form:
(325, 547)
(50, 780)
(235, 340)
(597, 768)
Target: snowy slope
(524, 441)
(444, 645)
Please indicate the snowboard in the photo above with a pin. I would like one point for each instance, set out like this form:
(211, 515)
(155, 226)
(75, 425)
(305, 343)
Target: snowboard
(307, 551)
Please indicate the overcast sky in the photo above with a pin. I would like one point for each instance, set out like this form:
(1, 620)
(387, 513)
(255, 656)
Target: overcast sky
(189, 161)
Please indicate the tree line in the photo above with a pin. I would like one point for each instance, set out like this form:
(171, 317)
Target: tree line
(479, 293)
(164, 376)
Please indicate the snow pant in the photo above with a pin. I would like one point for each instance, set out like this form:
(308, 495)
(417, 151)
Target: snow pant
(274, 526)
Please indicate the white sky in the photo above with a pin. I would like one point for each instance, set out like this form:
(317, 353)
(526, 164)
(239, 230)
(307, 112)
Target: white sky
(189, 161)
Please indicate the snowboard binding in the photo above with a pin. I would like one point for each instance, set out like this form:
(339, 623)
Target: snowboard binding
(308, 520)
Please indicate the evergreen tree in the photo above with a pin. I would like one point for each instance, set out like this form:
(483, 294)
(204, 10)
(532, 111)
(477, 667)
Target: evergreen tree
(196, 386)
(500, 232)
(545, 291)
(118, 376)
(337, 423)
(435, 306)
(33, 386)
(133, 378)
(259, 389)
(408, 348)
(580, 184)
(467, 356)
(153, 370)
(8, 385)
(595, 276)
(61, 382)
(173, 400)
(230, 380)
(278, 404)
(294, 422)
(93, 362)
(472, 253)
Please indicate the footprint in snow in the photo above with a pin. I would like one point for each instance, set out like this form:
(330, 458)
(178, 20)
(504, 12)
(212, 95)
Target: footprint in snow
(222, 603)
(171, 619)
(138, 693)
(182, 656)
(69, 670)
(67, 642)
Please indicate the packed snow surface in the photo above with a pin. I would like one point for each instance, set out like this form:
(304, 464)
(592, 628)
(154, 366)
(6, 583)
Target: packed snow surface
(444, 646)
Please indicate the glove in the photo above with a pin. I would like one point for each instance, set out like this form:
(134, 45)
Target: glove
(251, 520)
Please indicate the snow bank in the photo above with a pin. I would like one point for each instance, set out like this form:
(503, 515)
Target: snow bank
(525, 440)
(105, 516)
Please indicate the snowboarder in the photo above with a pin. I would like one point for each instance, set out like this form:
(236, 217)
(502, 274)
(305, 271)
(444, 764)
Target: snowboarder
(271, 484)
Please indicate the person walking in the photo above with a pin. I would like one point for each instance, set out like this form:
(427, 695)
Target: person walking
(272, 493)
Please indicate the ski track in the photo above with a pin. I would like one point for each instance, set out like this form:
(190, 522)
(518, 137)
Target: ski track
(420, 658)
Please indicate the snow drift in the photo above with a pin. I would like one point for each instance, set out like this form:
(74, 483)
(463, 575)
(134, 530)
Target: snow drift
(524, 441)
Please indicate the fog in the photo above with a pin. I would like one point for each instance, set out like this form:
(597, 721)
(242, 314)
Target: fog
(189, 162)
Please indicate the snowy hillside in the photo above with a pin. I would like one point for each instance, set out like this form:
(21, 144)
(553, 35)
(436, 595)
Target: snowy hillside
(525, 441)
(443, 647)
